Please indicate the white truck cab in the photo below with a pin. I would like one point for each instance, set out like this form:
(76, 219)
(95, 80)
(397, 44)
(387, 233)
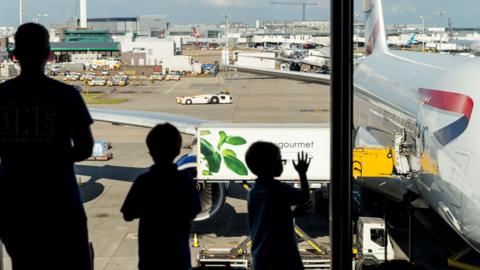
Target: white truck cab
(371, 242)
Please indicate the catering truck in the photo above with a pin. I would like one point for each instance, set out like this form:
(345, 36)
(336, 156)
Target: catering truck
(221, 149)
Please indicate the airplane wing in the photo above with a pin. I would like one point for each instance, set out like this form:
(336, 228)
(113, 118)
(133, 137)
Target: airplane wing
(285, 59)
(185, 124)
(291, 75)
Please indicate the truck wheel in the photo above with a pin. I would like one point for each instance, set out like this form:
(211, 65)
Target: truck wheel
(188, 102)
(215, 100)
(367, 263)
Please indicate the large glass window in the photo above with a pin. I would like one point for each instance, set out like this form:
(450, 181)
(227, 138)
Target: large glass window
(231, 73)
(413, 161)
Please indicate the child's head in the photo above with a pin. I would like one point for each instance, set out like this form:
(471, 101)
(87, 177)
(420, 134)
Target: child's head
(164, 143)
(264, 159)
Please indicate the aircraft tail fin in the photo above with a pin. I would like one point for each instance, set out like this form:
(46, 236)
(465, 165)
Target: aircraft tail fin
(375, 37)
(411, 40)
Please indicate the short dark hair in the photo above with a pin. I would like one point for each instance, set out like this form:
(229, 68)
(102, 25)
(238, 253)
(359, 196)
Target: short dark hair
(164, 141)
(32, 43)
(261, 156)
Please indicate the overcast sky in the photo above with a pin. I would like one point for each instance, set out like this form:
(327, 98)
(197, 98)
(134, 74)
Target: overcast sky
(463, 12)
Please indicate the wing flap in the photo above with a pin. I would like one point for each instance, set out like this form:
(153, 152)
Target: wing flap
(290, 75)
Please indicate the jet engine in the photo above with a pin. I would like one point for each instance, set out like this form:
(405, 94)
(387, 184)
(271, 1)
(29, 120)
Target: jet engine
(212, 195)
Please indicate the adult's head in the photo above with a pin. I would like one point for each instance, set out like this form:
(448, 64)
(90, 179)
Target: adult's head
(264, 159)
(32, 47)
(164, 143)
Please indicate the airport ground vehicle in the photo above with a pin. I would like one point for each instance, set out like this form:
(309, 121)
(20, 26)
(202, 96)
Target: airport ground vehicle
(72, 76)
(117, 81)
(87, 76)
(100, 151)
(156, 77)
(173, 75)
(372, 243)
(220, 98)
(372, 246)
(96, 82)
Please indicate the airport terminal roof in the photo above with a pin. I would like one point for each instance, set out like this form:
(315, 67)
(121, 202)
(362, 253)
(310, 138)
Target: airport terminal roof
(85, 46)
(80, 46)
(114, 19)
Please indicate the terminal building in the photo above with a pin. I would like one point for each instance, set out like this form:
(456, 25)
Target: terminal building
(68, 42)
(85, 41)
(149, 25)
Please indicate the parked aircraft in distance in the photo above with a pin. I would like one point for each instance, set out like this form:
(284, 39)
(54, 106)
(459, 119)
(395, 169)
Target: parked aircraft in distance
(400, 43)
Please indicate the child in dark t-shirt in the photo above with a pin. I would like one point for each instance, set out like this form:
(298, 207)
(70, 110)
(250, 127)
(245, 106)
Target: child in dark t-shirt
(166, 201)
(269, 208)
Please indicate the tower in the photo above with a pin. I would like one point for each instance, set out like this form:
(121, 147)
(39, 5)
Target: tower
(83, 14)
(21, 12)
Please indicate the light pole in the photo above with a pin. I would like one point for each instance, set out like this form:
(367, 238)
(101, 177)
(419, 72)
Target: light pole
(423, 25)
(40, 15)
(226, 52)
(355, 30)
(440, 14)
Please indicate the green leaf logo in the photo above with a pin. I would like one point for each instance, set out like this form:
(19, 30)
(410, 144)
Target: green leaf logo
(214, 158)
(229, 152)
(223, 138)
(236, 140)
(214, 162)
(235, 165)
(206, 148)
(204, 133)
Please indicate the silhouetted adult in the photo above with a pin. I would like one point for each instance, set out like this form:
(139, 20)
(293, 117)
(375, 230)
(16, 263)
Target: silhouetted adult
(44, 129)
(166, 201)
(270, 215)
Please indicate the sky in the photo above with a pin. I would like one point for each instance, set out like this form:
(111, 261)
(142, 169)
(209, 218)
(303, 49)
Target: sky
(463, 13)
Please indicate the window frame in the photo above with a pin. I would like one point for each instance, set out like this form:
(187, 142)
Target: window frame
(341, 89)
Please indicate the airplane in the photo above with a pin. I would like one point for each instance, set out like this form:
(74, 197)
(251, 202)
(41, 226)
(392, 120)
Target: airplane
(317, 60)
(411, 41)
(431, 100)
(195, 33)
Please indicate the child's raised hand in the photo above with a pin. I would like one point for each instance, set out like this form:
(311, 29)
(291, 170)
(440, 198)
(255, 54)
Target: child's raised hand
(303, 161)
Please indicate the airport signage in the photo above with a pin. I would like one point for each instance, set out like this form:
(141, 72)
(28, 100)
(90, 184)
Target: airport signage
(221, 150)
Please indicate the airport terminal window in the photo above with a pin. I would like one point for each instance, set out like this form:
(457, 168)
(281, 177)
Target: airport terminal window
(411, 179)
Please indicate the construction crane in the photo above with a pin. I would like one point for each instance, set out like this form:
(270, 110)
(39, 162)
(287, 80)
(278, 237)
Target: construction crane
(303, 4)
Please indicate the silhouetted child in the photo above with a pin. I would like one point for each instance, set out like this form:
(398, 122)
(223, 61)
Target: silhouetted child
(44, 129)
(166, 201)
(269, 208)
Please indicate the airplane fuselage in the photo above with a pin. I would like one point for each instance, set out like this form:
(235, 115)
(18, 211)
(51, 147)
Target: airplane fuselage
(432, 98)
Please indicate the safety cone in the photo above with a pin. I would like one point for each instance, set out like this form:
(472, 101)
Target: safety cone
(196, 243)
